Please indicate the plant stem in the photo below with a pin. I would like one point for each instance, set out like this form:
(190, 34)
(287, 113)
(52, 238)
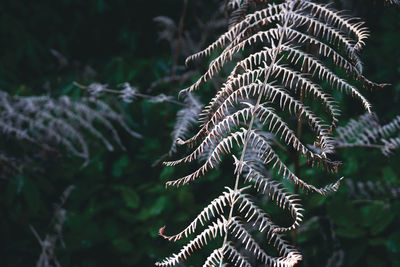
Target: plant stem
(117, 92)
(267, 75)
(180, 33)
(360, 145)
(297, 166)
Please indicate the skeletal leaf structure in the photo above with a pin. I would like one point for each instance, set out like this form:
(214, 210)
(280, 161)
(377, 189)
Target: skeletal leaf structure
(185, 118)
(371, 190)
(46, 122)
(367, 132)
(288, 50)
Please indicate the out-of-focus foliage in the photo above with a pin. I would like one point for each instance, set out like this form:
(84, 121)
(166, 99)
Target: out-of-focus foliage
(120, 202)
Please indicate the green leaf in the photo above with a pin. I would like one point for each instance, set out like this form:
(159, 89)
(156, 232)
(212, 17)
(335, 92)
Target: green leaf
(131, 198)
(154, 209)
(167, 173)
(158, 206)
(393, 243)
(119, 166)
(123, 245)
(389, 175)
(350, 232)
(381, 225)
(32, 196)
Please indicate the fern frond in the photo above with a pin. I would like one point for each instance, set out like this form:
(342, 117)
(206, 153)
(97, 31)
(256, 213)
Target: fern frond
(298, 81)
(253, 212)
(252, 246)
(186, 117)
(280, 129)
(239, 232)
(275, 191)
(217, 228)
(111, 114)
(385, 131)
(341, 22)
(370, 189)
(214, 259)
(269, 156)
(367, 132)
(330, 34)
(233, 32)
(250, 212)
(219, 130)
(46, 121)
(223, 147)
(390, 145)
(284, 49)
(231, 253)
(251, 154)
(353, 128)
(286, 103)
(214, 209)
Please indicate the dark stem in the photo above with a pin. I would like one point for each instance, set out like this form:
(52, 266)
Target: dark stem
(299, 134)
(360, 145)
(118, 92)
(297, 166)
(245, 143)
(180, 33)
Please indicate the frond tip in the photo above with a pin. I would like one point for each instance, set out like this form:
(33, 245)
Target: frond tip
(217, 228)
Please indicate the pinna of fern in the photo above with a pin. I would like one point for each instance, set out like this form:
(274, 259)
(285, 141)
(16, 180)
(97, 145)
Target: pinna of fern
(46, 121)
(393, 2)
(185, 117)
(373, 190)
(367, 132)
(278, 77)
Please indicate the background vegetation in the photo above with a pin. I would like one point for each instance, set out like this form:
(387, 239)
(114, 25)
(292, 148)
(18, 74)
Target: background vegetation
(120, 201)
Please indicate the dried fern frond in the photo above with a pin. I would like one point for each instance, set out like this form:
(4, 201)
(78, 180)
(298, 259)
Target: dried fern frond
(367, 132)
(287, 51)
(290, 256)
(211, 232)
(250, 212)
(185, 118)
(214, 209)
(276, 192)
(370, 190)
(240, 8)
(46, 121)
